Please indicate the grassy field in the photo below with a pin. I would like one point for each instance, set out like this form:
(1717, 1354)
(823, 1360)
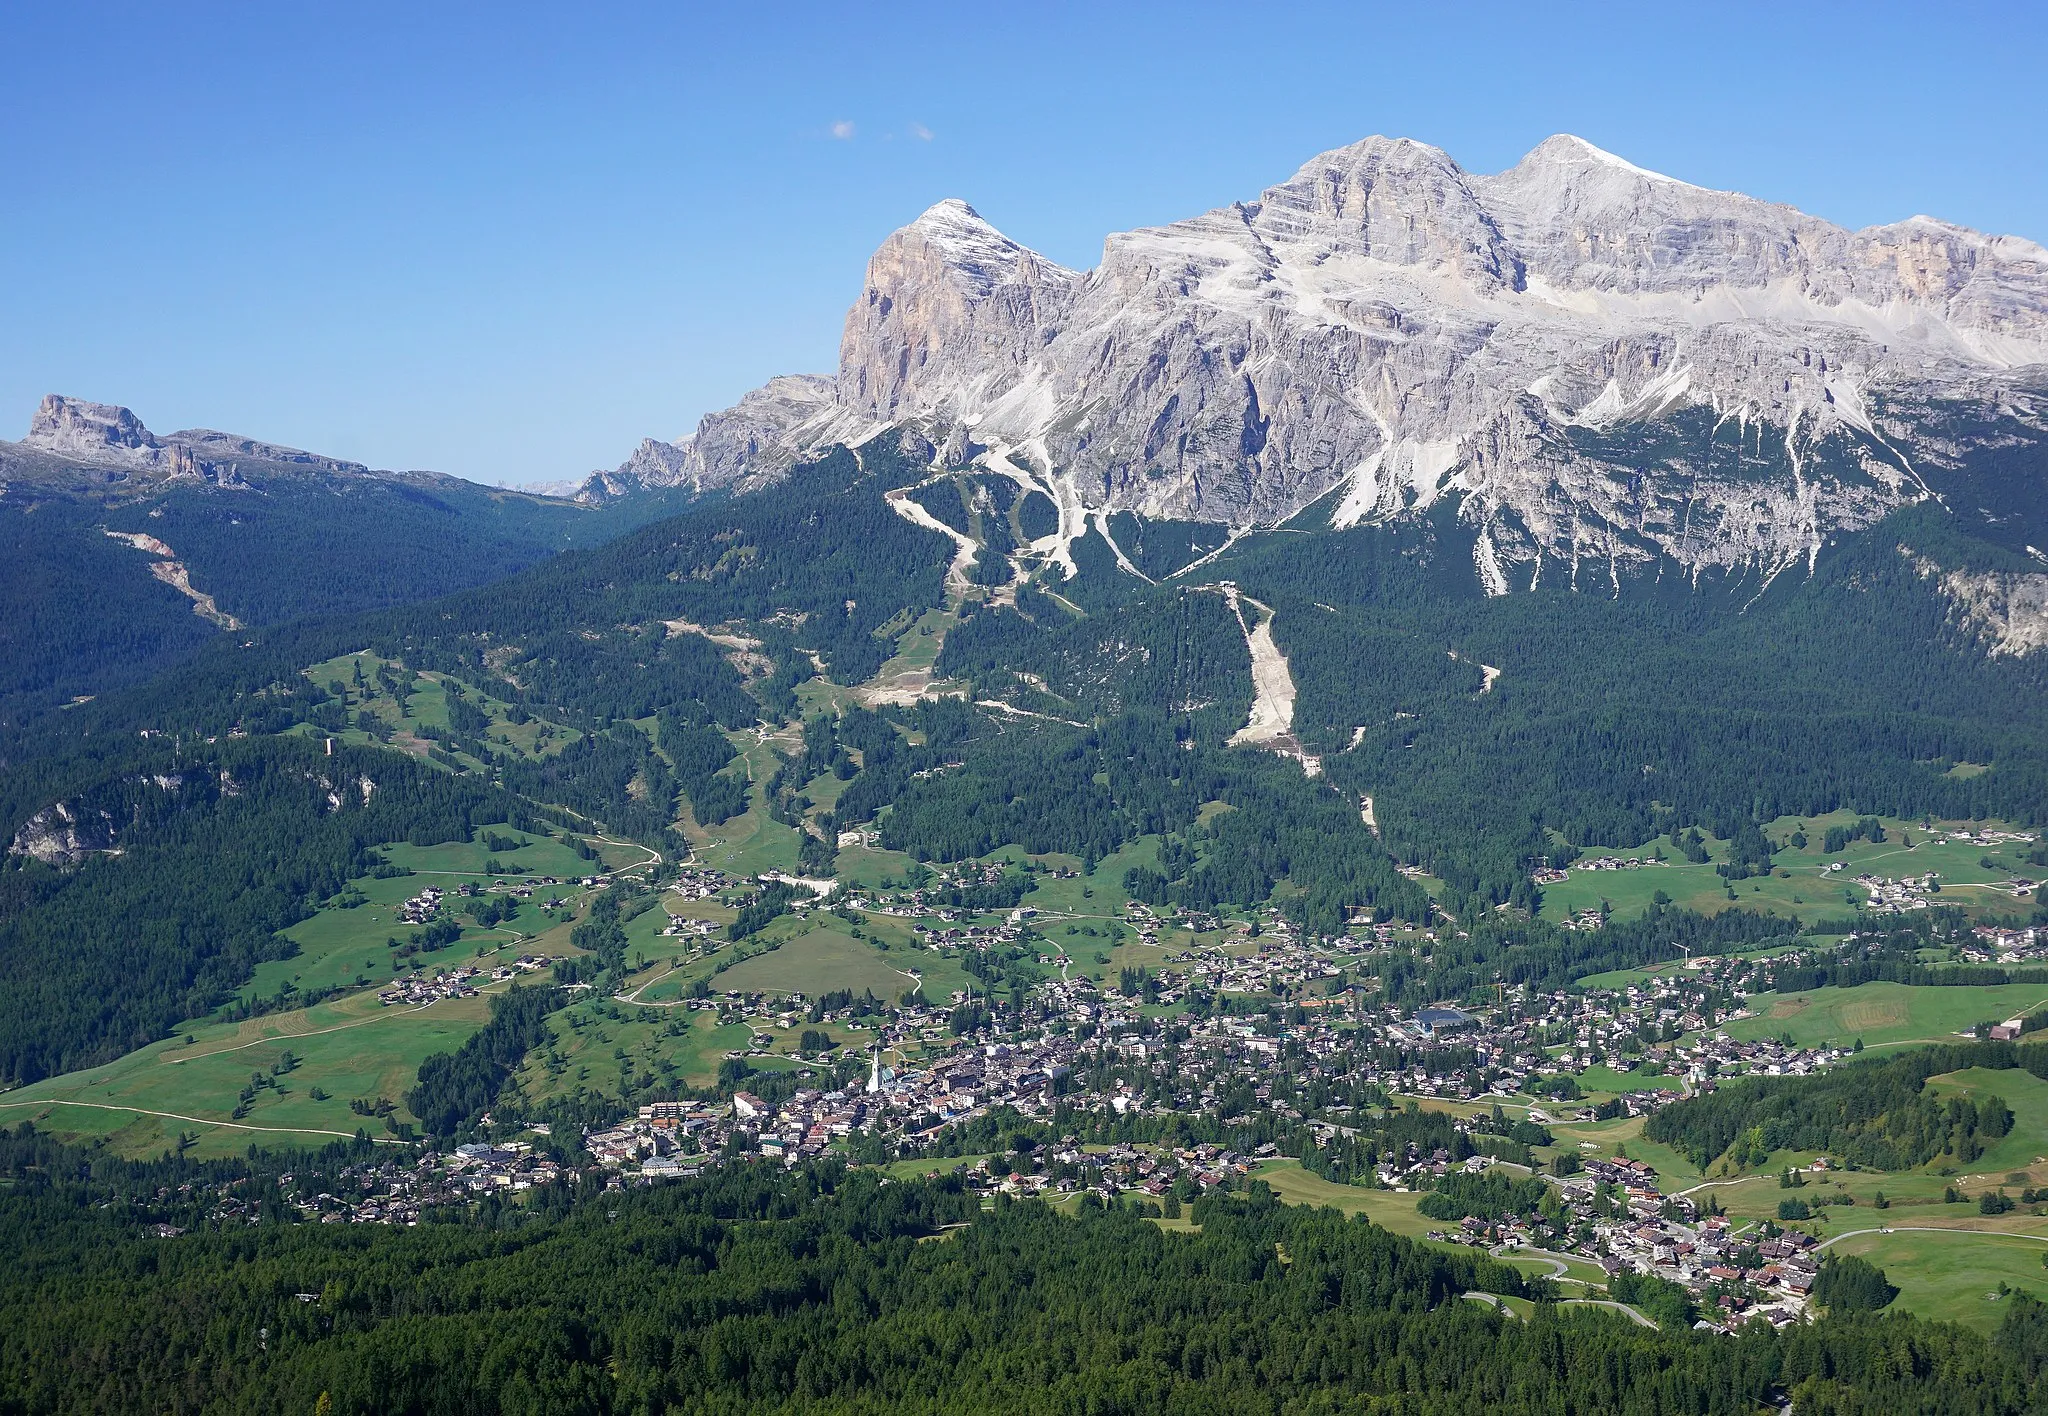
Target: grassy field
(1623, 1136)
(815, 953)
(1884, 1013)
(540, 855)
(348, 1048)
(822, 956)
(1605, 1080)
(607, 1047)
(1385, 1208)
(1954, 1276)
(1395, 1212)
(597, 1042)
(933, 1165)
(1081, 916)
(1097, 896)
(426, 705)
(2022, 1148)
(340, 947)
(1798, 885)
(751, 842)
(346, 947)
(872, 868)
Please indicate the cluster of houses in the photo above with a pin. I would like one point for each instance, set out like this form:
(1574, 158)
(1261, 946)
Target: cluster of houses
(1898, 896)
(1996, 944)
(417, 988)
(679, 1138)
(1553, 875)
(1615, 1215)
(1311, 1054)
(422, 908)
(1987, 836)
(1662, 1028)
(394, 1187)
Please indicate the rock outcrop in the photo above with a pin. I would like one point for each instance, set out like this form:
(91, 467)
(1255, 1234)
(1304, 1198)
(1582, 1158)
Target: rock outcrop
(64, 834)
(107, 443)
(2007, 610)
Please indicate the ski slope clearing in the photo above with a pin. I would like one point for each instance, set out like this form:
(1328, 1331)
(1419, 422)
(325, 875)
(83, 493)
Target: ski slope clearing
(1272, 718)
(904, 505)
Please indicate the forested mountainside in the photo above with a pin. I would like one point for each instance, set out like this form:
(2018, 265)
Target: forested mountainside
(122, 552)
(1400, 718)
(139, 797)
(759, 1290)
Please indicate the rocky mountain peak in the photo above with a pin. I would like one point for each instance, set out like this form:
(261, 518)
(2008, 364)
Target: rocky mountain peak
(742, 446)
(1389, 330)
(1392, 200)
(113, 446)
(73, 427)
(948, 300)
(1566, 150)
(956, 234)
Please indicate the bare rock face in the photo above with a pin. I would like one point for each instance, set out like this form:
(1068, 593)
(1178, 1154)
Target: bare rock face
(746, 445)
(111, 441)
(2008, 611)
(952, 309)
(1599, 365)
(71, 427)
(63, 835)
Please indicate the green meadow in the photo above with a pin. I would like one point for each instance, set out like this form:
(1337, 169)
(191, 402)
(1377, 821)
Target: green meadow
(1884, 1014)
(1800, 885)
(1954, 1275)
(752, 842)
(538, 855)
(348, 1048)
(424, 703)
(2025, 1147)
(604, 1047)
(346, 946)
(820, 955)
(813, 954)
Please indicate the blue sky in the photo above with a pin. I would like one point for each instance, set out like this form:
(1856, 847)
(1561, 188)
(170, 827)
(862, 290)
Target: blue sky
(508, 241)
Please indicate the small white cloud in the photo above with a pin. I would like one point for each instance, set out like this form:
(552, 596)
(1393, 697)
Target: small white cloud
(920, 132)
(843, 130)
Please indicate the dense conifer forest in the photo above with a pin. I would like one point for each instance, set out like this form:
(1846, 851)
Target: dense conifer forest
(760, 1290)
(1874, 1112)
(84, 614)
(221, 847)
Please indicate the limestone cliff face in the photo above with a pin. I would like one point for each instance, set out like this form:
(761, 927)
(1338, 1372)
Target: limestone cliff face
(71, 427)
(63, 834)
(1600, 365)
(2007, 610)
(952, 311)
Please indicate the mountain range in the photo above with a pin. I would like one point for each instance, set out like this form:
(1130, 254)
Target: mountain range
(1605, 371)
(1575, 373)
(122, 551)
